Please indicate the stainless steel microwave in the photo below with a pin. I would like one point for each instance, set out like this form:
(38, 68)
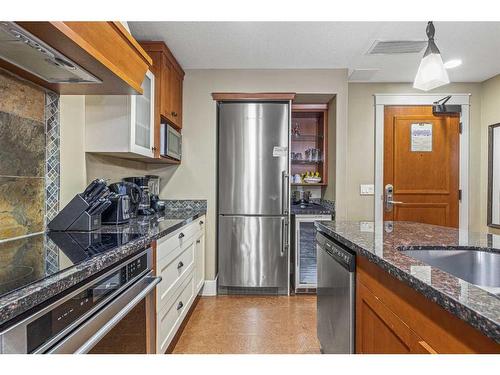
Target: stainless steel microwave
(171, 142)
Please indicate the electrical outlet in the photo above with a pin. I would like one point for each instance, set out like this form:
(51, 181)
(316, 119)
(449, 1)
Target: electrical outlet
(366, 189)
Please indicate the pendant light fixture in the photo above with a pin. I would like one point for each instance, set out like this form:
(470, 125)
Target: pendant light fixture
(431, 72)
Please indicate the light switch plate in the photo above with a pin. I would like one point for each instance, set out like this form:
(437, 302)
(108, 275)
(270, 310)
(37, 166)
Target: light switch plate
(366, 189)
(366, 226)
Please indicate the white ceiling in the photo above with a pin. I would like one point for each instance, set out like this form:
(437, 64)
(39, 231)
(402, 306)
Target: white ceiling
(325, 45)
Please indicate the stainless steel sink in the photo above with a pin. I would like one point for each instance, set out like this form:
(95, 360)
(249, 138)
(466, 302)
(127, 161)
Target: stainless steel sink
(475, 266)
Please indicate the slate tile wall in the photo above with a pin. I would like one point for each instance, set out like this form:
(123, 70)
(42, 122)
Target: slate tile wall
(29, 156)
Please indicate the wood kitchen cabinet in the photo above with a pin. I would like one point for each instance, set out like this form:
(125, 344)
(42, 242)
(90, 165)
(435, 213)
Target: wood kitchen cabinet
(393, 318)
(170, 77)
(381, 331)
(106, 50)
(309, 131)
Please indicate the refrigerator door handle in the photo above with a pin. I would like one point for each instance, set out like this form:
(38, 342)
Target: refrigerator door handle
(284, 192)
(284, 236)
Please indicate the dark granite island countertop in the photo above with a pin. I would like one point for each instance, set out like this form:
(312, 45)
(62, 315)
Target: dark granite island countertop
(382, 245)
(37, 268)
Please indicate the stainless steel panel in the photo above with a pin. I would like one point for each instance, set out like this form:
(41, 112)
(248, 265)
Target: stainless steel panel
(252, 252)
(335, 300)
(92, 331)
(14, 339)
(26, 51)
(250, 178)
(477, 267)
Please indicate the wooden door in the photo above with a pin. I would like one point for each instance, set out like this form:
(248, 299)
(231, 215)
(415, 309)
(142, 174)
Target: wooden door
(421, 162)
(176, 98)
(166, 73)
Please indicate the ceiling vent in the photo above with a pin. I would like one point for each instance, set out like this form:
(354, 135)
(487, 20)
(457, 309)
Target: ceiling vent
(362, 75)
(391, 47)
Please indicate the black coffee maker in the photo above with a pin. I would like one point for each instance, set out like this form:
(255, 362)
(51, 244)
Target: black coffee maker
(130, 189)
(154, 189)
(144, 205)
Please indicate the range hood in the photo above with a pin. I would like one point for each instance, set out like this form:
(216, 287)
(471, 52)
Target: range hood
(26, 51)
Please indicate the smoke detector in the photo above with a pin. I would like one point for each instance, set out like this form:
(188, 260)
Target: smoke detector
(392, 47)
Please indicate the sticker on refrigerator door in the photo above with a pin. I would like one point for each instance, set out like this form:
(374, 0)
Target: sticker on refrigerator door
(421, 137)
(280, 151)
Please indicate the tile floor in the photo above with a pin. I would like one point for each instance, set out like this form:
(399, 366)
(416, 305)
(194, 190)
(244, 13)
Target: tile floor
(251, 324)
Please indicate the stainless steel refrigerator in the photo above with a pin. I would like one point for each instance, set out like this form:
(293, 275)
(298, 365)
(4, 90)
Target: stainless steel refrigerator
(253, 197)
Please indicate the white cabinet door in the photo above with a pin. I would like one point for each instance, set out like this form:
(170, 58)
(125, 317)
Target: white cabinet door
(199, 261)
(142, 118)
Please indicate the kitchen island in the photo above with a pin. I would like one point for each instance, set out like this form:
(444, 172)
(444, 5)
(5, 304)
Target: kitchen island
(404, 305)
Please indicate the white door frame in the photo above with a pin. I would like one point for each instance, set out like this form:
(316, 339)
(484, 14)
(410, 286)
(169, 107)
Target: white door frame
(382, 100)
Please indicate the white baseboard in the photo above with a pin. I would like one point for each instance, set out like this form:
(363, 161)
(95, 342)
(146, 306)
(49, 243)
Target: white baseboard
(210, 287)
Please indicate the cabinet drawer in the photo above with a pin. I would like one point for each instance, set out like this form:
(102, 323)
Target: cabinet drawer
(180, 237)
(171, 316)
(172, 268)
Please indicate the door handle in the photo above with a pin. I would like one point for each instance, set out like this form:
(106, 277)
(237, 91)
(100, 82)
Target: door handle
(388, 198)
(284, 236)
(284, 192)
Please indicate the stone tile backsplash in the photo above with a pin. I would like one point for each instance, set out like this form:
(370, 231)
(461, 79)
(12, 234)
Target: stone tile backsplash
(29, 156)
(185, 204)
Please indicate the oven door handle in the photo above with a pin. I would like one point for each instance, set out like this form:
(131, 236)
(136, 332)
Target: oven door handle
(87, 335)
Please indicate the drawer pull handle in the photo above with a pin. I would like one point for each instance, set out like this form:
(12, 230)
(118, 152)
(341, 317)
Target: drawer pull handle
(181, 235)
(201, 222)
(180, 265)
(180, 305)
(198, 241)
(174, 114)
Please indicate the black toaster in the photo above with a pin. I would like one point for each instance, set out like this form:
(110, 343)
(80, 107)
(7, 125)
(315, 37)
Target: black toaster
(119, 210)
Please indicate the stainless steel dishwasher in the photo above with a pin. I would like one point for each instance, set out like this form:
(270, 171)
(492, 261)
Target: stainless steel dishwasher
(335, 296)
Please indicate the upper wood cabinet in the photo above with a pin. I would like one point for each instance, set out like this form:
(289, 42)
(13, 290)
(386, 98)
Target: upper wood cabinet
(165, 86)
(106, 50)
(170, 78)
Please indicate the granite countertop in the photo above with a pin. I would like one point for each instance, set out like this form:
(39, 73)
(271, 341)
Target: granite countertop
(316, 207)
(55, 268)
(382, 243)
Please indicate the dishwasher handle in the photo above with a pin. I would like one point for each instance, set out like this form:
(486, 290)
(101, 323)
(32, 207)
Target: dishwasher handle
(86, 336)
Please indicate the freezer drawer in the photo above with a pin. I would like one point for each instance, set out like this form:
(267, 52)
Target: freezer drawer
(253, 158)
(253, 252)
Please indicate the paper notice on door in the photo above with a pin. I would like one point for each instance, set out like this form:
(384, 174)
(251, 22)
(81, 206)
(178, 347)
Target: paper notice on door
(421, 137)
(280, 151)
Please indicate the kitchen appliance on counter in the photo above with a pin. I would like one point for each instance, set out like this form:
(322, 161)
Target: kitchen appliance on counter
(154, 189)
(253, 197)
(170, 142)
(144, 205)
(132, 191)
(119, 210)
(301, 196)
(76, 321)
(84, 211)
(335, 296)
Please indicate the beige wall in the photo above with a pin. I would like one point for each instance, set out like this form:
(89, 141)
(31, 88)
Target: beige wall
(72, 133)
(195, 177)
(361, 145)
(490, 114)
